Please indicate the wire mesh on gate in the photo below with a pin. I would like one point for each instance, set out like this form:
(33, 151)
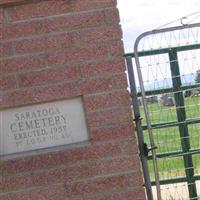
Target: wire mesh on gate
(168, 64)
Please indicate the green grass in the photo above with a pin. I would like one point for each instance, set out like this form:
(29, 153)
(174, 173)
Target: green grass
(168, 139)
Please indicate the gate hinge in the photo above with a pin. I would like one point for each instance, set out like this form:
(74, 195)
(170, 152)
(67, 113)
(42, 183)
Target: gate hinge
(147, 149)
(137, 118)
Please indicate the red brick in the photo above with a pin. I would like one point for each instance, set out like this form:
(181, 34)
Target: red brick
(55, 24)
(6, 49)
(1, 15)
(16, 196)
(137, 193)
(91, 153)
(103, 84)
(10, 2)
(6, 100)
(120, 81)
(135, 179)
(112, 16)
(130, 146)
(52, 192)
(8, 82)
(102, 68)
(13, 166)
(106, 100)
(28, 164)
(47, 8)
(40, 9)
(63, 40)
(116, 49)
(117, 165)
(12, 31)
(46, 93)
(87, 4)
(100, 34)
(9, 183)
(26, 96)
(50, 75)
(82, 171)
(68, 156)
(82, 189)
(22, 63)
(131, 194)
(78, 55)
(120, 131)
(62, 175)
(41, 94)
(89, 86)
(108, 117)
(1, 35)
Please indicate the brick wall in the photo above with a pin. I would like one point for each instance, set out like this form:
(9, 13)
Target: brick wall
(61, 49)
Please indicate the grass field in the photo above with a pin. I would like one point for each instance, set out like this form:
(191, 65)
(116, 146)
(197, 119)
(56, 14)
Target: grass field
(168, 139)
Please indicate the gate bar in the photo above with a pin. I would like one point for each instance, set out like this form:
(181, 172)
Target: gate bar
(146, 111)
(175, 180)
(183, 128)
(169, 90)
(172, 124)
(175, 154)
(164, 50)
(138, 124)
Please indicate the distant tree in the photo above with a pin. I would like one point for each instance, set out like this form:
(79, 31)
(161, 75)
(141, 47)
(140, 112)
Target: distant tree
(197, 79)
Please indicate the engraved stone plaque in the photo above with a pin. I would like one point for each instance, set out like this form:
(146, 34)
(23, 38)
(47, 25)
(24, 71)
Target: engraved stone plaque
(42, 126)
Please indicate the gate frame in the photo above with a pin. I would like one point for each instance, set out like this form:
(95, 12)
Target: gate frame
(174, 67)
(138, 124)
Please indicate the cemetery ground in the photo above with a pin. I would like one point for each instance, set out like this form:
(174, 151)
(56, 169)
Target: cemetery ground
(168, 139)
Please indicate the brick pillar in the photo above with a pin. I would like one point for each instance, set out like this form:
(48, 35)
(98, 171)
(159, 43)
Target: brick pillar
(62, 49)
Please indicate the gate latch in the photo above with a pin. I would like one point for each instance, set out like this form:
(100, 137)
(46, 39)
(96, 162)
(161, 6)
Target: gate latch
(147, 149)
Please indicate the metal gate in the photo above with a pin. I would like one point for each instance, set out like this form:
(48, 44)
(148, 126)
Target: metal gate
(167, 110)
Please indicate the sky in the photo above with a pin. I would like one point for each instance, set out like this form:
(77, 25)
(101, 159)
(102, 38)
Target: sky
(144, 15)
(140, 16)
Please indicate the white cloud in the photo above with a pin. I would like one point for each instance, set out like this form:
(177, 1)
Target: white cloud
(143, 15)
